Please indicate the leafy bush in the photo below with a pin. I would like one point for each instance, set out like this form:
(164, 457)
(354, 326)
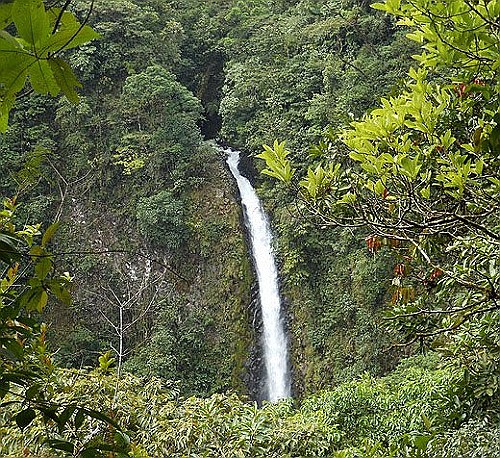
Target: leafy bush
(161, 219)
(475, 439)
(411, 400)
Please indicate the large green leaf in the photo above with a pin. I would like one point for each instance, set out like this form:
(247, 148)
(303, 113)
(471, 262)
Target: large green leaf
(65, 78)
(5, 14)
(33, 52)
(14, 63)
(13, 74)
(35, 299)
(43, 267)
(65, 416)
(31, 20)
(79, 418)
(59, 290)
(4, 388)
(70, 34)
(42, 78)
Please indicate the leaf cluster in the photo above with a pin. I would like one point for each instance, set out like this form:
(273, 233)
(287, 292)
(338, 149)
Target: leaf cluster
(34, 53)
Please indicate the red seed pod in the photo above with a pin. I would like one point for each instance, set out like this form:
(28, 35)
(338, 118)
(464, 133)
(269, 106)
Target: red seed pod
(460, 89)
(436, 273)
(373, 243)
(399, 269)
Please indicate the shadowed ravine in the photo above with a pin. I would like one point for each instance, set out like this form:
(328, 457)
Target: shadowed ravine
(277, 381)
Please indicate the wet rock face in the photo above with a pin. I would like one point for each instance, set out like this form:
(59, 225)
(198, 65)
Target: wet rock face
(254, 377)
(247, 167)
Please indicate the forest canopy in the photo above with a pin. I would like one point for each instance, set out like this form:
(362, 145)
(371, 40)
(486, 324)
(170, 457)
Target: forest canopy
(121, 228)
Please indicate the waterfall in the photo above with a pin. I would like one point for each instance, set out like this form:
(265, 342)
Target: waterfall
(274, 339)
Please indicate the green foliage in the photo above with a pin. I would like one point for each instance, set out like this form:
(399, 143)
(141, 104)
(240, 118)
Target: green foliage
(387, 410)
(34, 54)
(158, 117)
(26, 370)
(424, 160)
(337, 294)
(178, 350)
(419, 173)
(134, 137)
(161, 218)
(408, 414)
(473, 439)
(106, 361)
(136, 116)
(277, 156)
(300, 66)
(77, 347)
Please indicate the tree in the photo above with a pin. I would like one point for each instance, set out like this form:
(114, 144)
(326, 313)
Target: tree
(29, 279)
(420, 173)
(158, 119)
(126, 309)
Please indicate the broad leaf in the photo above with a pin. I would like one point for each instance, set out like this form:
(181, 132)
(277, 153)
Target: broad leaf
(70, 34)
(33, 391)
(42, 78)
(79, 418)
(5, 14)
(65, 416)
(15, 62)
(25, 417)
(31, 20)
(65, 78)
(8, 248)
(60, 291)
(49, 233)
(43, 267)
(35, 299)
(14, 349)
(5, 106)
(91, 452)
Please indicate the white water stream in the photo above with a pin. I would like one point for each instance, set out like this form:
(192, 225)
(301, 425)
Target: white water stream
(274, 339)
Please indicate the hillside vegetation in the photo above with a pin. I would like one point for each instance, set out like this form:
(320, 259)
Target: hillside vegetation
(129, 321)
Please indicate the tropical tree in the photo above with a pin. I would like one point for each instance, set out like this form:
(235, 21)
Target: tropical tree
(28, 276)
(420, 173)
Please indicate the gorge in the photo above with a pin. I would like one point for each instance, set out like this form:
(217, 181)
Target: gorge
(277, 383)
(140, 308)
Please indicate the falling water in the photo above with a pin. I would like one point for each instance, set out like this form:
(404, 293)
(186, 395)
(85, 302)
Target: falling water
(274, 338)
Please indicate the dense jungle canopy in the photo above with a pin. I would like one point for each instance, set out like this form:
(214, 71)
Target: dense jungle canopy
(129, 311)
